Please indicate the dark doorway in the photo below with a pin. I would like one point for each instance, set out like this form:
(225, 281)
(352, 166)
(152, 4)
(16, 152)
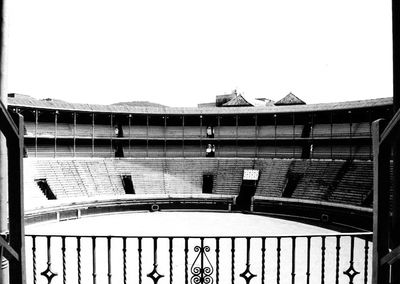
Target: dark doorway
(207, 183)
(128, 185)
(45, 188)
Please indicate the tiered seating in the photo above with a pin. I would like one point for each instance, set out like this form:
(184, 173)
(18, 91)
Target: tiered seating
(317, 178)
(179, 178)
(272, 176)
(229, 175)
(32, 193)
(355, 184)
(74, 177)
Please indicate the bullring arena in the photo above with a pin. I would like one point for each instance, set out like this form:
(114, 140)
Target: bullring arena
(228, 193)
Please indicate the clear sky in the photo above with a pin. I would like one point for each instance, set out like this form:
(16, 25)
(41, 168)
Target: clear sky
(184, 52)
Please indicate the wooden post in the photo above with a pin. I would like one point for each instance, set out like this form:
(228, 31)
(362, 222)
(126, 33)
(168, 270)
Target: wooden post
(16, 203)
(380, 273)
(395, 226)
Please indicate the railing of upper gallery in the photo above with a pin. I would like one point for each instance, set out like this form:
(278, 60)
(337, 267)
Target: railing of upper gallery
(331, 258)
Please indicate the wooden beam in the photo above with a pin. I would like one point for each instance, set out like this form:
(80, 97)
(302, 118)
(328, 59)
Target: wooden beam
(16, 204)
(391, 257)
(8, 251)
(380, 274)
(392, 128)
(7, 125)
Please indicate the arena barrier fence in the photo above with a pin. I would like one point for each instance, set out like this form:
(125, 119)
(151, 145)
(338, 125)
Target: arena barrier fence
(330, 258)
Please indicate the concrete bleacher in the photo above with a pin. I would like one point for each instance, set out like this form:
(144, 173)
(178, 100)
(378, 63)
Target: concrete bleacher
(334, 181)
(355, 184)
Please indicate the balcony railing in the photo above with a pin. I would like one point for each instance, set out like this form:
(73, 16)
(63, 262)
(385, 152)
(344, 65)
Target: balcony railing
(336, 258)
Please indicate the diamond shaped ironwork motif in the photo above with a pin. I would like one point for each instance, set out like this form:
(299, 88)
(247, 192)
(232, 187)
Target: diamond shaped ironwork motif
(49, 274)
(247, 275)
(351, 273)
(154, 275)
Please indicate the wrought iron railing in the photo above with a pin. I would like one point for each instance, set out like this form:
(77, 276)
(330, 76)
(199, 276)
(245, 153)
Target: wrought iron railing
(336, 258)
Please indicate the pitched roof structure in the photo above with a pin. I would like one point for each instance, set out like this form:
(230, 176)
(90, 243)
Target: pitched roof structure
(290, 99)
(237, 101)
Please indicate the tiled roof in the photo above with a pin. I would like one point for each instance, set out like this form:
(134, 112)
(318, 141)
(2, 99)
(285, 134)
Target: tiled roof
(29, 102)
(290, 99)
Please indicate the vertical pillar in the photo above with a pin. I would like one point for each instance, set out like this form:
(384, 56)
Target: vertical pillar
(183, 135)
(256, 135)
(74, 134)
(16, 204)
(381, 204)
(237, 134)
(351, 135)
(165, 135)
(331, 135)
(395, 226)
(293, 136)
(147, 135)
(55, 132)
(36, 127)
(275, 135)
(201, 135)
(111, 135)
(93, 117)
(129, 134)
(3, 152)
(217, 149)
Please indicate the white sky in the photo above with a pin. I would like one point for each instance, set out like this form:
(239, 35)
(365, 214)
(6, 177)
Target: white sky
(184, 52)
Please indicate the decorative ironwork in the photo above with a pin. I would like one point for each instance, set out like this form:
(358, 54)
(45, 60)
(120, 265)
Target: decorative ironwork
(217, 250)
(171, 265)
(48, 274)
(278, 260)
(308, 259)
(247, 275)
(202, 268)
(337, 259)
(124, 257)
(323, 248)
(366, 248)
(140, 259)
(34, 258)
(78, 250)
(64, 263)
(186, 260)
(293, 259)
(233, 260)
(351, 272)
(154, 274)
(263, 261)
(94, 272)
